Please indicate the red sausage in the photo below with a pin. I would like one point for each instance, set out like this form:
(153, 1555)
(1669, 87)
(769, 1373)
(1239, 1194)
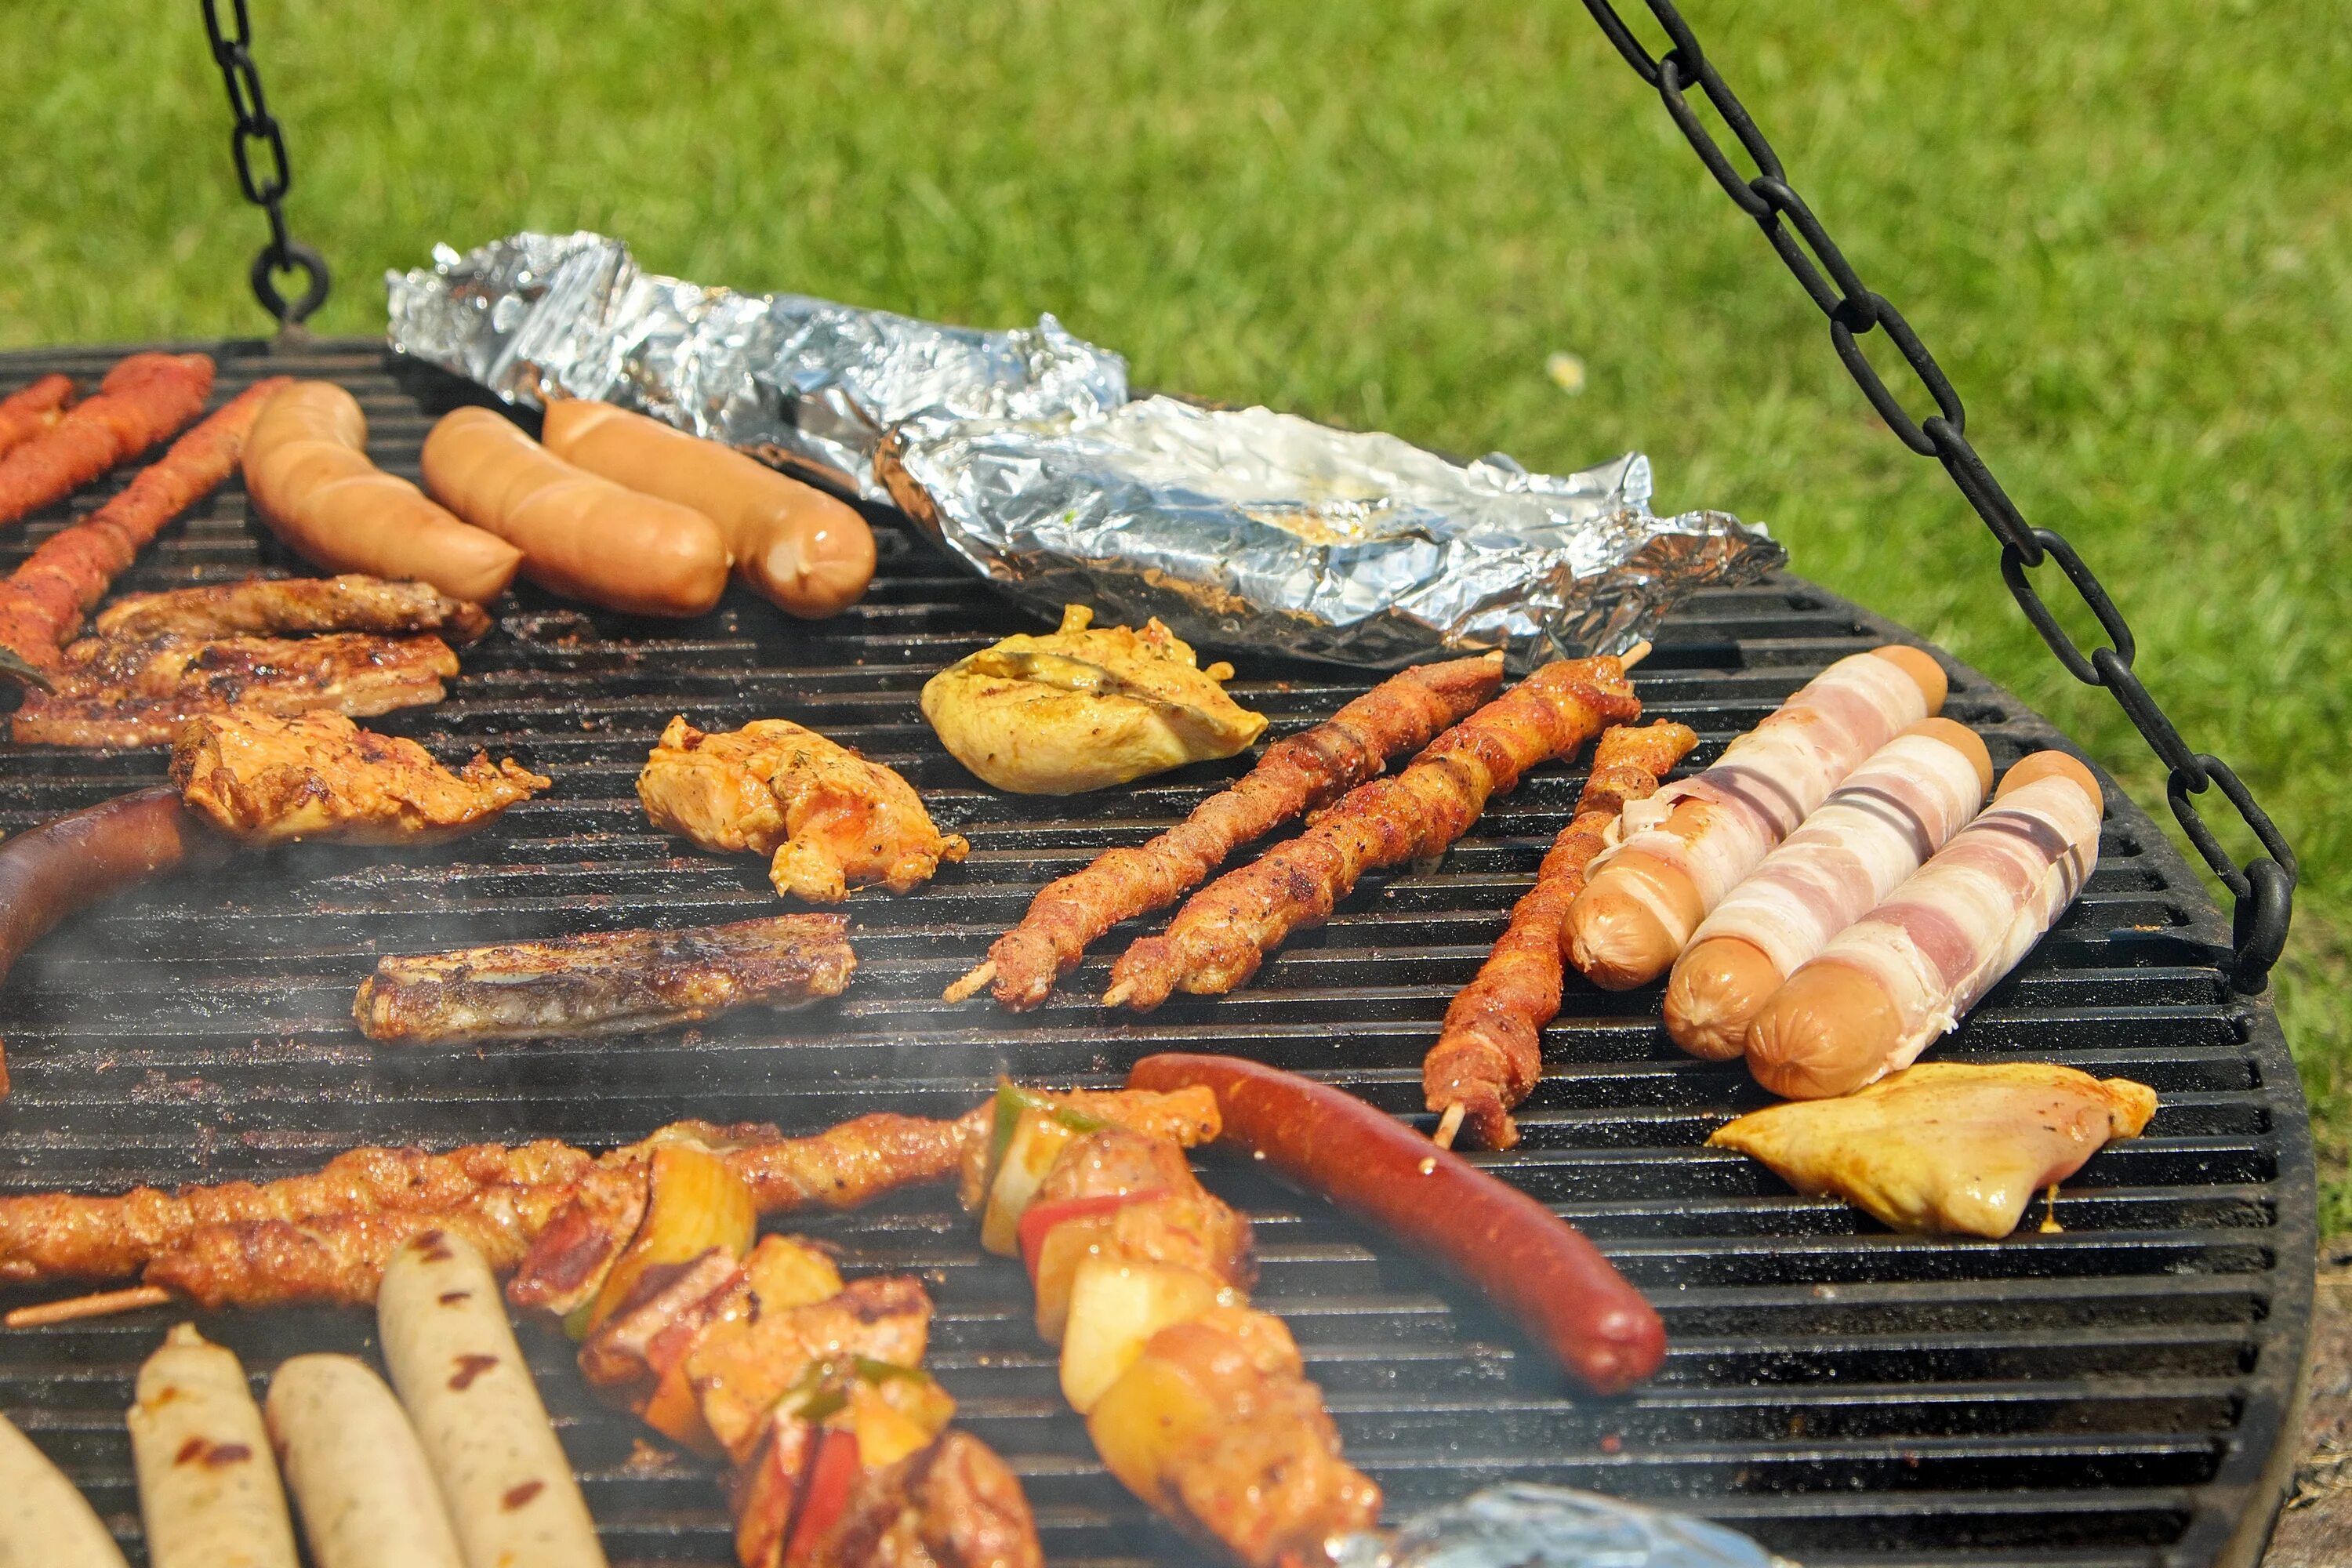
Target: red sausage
(1535, 1265)
(51, 871)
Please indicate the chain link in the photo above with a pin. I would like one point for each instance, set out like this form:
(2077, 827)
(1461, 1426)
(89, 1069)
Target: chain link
(257, 131)
(2263, 889)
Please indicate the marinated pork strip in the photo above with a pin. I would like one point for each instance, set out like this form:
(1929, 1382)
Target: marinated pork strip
(43, 601)
(1225, 930)
(44, 1522)
(1897, 808)
(282, 606)
(143, 400)
(208, 1490)
(1298, 773)
(1690, 844)
(33, 408)
(607, 982)
(1489, 1053)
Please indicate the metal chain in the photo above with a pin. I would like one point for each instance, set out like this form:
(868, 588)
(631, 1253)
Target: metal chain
(256, 128)
(2263, 889)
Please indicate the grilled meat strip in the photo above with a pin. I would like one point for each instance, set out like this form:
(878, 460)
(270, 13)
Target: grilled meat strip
(608, 983)
(1222, 935)
(138, 693)
(1297, 774)
(1490, 1054)
(143, 399)
(33, 408)
(281, 607)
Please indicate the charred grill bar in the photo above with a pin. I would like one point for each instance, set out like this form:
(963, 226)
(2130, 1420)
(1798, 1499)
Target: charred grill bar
(2117, 1392)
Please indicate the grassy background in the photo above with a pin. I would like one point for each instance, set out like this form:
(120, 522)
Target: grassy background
(2122, 225)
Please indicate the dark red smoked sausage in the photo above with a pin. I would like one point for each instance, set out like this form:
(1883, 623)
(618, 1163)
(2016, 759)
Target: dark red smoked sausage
(50, 871)
(1533, 1264)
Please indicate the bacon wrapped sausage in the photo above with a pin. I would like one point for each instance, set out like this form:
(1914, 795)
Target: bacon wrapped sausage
(29, 410)
(143, 400)
(1297, 774)
(1490, 1054)
(1224, 932)
(1892, 812)
(1890, 984)
(1691, 843)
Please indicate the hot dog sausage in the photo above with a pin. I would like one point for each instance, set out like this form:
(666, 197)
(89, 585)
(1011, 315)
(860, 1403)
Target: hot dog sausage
(1536, 1265)
(795, 545)
(1889, 985)
(350, 1459)
(456, 1363)
(207, 1487)
(1897, 808)
(307, 469)
(581, 535)
(1690, 844)
(44, 1522)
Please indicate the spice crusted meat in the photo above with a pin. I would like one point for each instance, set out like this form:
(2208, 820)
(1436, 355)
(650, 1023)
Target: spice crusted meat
(143, 399)
(282, 606)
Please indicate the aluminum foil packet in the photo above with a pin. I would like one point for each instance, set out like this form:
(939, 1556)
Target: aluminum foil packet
(802, 381)
(1554, 1527)
(1249, 528)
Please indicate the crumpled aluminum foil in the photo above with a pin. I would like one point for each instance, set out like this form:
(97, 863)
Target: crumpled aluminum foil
(1257, 528)
(798, 380)
(1524, 1526)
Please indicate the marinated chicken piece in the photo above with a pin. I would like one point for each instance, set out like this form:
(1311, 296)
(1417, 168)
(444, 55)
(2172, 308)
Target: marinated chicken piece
(261, 606)
(833, 820)
(138, 693)
(1945, 1146)
(954, 1504)
(1084, 708)
(268, 780)
(741, 1368)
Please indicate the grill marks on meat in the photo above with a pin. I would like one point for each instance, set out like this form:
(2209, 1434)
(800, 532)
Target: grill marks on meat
(264, 607)
(143, 399)
(1225, 930)
(1489, 1055)
(606, 983)
(1297, 774)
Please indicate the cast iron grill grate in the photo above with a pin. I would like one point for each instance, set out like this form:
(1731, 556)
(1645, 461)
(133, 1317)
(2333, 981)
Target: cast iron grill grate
(2114, 1394)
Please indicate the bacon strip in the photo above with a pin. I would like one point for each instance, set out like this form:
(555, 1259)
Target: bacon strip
(143, 400)
(1297, 774)
(1488, 1056)
(1219, 938)
(42, 602)
(28, 411)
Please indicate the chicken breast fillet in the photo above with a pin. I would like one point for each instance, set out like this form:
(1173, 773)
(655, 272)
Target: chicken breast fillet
(832, 820)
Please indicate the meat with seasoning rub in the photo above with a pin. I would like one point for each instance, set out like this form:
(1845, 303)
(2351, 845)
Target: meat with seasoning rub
(284, 606)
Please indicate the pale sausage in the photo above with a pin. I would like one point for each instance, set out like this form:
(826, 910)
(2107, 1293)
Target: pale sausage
(44, 1522)
(350, 1459)
(207, 1487)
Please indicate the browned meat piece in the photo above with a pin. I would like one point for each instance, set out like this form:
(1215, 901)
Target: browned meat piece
(282, 606)
(336, 1260)
(740, 1367)
(608, 983)
(951, 1505)
(143, 399)
(268, 780)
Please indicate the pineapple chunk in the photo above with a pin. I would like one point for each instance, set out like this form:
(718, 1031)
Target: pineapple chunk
(1144, 1420)
(894, 1417)
(785, 1273)
(1067, 1245)
(1115, 1308)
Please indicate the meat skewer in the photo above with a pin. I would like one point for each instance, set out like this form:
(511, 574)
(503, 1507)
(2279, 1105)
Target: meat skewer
(1489, 1053)
(1297, 774)
(143, 399)
(33, 408)
(1220, 937)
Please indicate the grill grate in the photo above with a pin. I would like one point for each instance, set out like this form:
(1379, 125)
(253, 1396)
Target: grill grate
(2114, 1393)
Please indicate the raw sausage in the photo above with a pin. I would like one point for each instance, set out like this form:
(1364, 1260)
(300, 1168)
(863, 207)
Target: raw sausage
(456, 1363)
(1893, 811)
(350, 1459)
(581, 535)
(207, 1487)
(1536, 1266)
(796, 546)
(1893, 982)
(307, 469)
(44, 1522)
(1690, 844)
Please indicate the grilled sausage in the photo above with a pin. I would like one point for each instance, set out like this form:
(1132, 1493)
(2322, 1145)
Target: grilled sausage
(44, 1522)
(1536, 1265)
(581, 535)
(795, 545)
(207, 1487)
(307, 469)
(350, 1459)
(456, 1363)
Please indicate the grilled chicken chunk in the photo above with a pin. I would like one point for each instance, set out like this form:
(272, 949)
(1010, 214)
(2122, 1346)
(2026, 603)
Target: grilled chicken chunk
(954, 1504)
(833, 820)
(267, 780)
(261, 606)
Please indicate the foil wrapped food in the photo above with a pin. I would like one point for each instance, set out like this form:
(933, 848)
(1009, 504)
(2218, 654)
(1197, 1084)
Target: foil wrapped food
(801, 381)
(1526, 1526)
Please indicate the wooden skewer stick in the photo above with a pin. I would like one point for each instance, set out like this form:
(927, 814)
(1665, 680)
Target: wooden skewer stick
(1635, 655)
(1118, 995)
(102, 1304)
(1448, 1125)
(971, 983)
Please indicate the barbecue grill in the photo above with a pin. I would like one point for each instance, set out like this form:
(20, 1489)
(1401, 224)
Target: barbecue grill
(2116, 1391)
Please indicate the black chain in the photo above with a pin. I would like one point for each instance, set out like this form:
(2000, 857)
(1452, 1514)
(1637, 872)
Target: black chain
(233, 52)
(2264, 889)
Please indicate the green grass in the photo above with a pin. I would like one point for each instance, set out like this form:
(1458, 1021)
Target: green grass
(2123, 228)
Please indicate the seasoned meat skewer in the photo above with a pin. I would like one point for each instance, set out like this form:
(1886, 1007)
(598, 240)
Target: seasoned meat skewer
(1224, 932)
(282, 606)
(143, 399)
(33, 408)
(1490, 1054)
(1297, 774)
